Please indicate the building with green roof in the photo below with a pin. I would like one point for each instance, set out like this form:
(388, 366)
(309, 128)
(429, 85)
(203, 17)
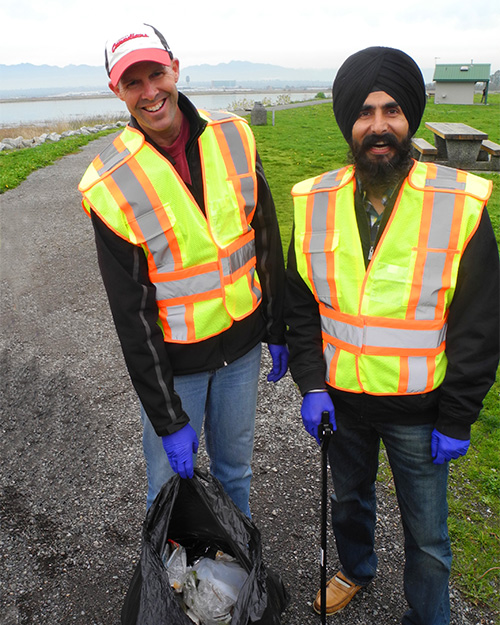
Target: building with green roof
(455, 83)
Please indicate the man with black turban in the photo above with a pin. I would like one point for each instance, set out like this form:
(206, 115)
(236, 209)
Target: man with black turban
(393, 325)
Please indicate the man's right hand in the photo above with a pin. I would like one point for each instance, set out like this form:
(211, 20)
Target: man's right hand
(180, 447)
(313, 406)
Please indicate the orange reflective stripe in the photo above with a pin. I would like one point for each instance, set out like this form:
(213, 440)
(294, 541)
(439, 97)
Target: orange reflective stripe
(116, 192)
(190, 324)
(307, 240)
(404, 374)
(331, 267)
(425, 222)
(431, 370)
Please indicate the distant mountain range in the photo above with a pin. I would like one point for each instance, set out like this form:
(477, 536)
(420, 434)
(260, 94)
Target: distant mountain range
(28, 80)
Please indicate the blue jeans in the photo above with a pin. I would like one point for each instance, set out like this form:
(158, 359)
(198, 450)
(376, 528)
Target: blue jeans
(421, 491)
(223, 402)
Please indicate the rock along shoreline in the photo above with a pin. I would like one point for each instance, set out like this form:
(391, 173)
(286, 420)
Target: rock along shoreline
(20, 142)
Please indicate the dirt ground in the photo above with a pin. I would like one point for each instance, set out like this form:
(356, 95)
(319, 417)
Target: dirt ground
(72, 479)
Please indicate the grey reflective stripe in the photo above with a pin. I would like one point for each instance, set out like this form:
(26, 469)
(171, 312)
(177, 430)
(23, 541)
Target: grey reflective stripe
(441, 221)
(111, 157)
(327, 181)
(176, 318)
(241, 164)
(328, 355)
(437, 248)
(417, 374)
(382, 337)
(317, 241)
(188, 287)
(145, 215)
(247, 191)
(238, 258)
(431, 285)
(446, 178)
(237, 149)
(218, 116)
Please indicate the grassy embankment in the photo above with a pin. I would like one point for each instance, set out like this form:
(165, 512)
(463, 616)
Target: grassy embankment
(302, 143)
(15, 166)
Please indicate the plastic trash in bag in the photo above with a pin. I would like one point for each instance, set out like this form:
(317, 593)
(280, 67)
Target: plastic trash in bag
(209, 588)
(197, 514)
(227, 577)
(212, 589)
(175, 561)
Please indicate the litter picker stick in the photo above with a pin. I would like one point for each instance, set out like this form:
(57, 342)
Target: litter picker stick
(325, 431)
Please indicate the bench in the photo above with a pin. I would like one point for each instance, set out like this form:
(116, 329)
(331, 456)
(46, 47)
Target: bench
(423, 150)
(490, 152)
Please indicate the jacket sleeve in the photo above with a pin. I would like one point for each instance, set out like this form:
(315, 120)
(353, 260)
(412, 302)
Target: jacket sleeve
(472, 342)
(303, 335)
(135, 313)
(270, 262)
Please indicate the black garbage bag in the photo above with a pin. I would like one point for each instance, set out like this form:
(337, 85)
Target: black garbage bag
(198, 514)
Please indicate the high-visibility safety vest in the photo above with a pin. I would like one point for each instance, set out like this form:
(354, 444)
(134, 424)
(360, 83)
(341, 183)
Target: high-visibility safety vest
(203, 267)
(384, 327)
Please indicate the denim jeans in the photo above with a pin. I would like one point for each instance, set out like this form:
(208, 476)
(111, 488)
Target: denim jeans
(223, 403)
(421, 492)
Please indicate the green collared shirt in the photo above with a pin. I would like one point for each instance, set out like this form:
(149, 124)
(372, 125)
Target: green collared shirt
(371, 224)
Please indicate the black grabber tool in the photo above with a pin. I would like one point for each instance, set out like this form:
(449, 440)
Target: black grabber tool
(324, 432)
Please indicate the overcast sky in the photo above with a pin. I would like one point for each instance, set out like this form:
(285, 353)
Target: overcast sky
(291, 33)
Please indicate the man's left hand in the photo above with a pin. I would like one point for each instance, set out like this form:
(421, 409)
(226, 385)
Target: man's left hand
(444, 448)
(279, 354)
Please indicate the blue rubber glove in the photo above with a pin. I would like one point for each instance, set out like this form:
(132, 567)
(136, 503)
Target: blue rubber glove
(313, 405)
(180, 447)
(279, 354)
(444, 448)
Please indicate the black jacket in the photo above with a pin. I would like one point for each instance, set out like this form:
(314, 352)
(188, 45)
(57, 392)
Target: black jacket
(151, 362)
(472, 342)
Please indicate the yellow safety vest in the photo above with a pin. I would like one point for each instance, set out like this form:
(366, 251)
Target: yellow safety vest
(384, 327)
(203, 268)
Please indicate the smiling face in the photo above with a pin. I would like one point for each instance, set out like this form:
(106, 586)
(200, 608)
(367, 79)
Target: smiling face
(380, 126)
(149, 91)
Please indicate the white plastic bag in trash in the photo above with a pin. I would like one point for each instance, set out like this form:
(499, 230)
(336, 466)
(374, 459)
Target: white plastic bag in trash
(175, 561)
(211, 590)
(228, 577)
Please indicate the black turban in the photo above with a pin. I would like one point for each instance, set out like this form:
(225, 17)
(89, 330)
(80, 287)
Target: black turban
(378, 69)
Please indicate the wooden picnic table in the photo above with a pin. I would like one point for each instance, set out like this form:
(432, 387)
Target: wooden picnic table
(458, 144)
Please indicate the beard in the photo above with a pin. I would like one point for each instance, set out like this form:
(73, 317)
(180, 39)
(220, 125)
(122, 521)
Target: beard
(379, 174)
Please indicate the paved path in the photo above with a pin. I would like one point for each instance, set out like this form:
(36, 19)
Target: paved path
(72, 483)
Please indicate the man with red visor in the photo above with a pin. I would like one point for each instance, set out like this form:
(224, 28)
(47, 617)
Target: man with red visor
(190, 255)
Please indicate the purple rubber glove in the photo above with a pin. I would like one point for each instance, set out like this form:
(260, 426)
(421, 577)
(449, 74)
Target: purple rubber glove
(279, 354)
(180, 447)
(444, 448)
(313, 406)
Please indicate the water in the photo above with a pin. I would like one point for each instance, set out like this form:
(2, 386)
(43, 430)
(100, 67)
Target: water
(16, 113)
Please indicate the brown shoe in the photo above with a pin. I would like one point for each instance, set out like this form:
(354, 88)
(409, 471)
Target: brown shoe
(339, 591)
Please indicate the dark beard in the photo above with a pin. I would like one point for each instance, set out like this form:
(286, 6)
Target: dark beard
(378, 175)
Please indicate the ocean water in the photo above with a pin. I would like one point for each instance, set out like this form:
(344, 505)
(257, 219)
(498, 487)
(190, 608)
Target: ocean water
(17, 113)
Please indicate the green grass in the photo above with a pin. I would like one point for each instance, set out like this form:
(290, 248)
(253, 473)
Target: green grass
(305, 142)
(17, 165)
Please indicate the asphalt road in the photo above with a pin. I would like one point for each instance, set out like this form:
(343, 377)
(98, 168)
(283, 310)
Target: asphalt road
(72, 479)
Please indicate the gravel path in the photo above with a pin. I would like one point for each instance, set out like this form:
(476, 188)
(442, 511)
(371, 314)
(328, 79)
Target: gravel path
(72, 481)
